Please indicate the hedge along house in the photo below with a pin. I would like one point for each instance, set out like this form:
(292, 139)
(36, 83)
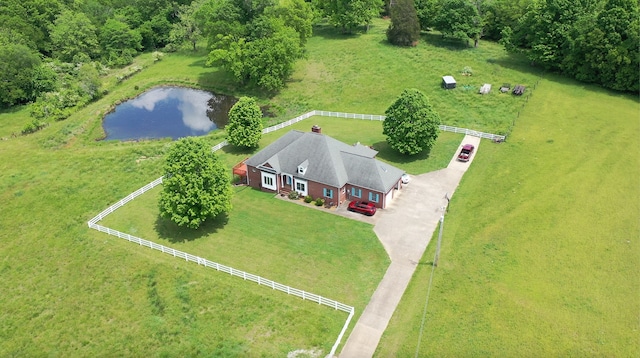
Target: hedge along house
(315, 164)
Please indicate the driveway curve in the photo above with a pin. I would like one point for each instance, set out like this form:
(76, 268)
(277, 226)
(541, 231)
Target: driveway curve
(404, 229)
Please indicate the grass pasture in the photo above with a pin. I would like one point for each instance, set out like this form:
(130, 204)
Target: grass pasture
(541, 246)
(548, 212)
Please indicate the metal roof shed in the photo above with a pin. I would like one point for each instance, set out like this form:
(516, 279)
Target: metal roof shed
(448, 82)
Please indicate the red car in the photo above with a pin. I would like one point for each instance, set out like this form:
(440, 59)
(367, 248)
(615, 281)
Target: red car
(363, 207)
(466, 152)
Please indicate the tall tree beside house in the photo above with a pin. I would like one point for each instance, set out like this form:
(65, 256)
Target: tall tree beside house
(404, 29)
(245, 123)
(196, 185)
(412, 124)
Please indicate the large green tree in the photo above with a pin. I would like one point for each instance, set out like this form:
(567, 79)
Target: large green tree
(404, 29)
(349, 14)
(73, 34)
(459, 19)
(196, 185)
(245, 123)
(411, 124)
(119, 42)
(18, 68)
(498, 14)
(253, 41)
(187, 29)
(605, 47)
(427, 11)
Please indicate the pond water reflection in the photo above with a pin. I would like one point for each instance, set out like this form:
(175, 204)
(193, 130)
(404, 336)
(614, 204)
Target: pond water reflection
(168, 112)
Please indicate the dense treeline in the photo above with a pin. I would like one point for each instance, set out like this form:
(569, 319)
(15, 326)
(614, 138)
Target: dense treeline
(52, 52)
(595, 41)
(592, 41)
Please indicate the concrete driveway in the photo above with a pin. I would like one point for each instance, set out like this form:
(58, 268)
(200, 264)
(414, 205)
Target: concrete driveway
(404, 229)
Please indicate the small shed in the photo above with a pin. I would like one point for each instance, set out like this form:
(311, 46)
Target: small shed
(505, 88)
(448, 82)
(486, 88)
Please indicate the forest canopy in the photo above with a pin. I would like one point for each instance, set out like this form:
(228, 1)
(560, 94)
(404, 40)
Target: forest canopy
(52, 52)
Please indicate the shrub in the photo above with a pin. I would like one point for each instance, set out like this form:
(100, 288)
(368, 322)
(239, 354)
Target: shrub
(308, 199)
(157, 56)
(33, 126)
(319, 202)
(294, 195)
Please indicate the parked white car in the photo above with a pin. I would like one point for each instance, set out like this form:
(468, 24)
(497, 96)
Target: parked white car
(405, 178)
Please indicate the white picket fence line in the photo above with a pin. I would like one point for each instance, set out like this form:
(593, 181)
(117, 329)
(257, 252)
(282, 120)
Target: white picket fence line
(289, 122)
(491, 136)
(219, 146)
(374, 117)
(124, 200)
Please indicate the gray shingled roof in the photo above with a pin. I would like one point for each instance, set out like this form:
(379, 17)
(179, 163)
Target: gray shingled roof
(330, 161)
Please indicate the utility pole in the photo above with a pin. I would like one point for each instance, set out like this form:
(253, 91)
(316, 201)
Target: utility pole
(435, 261)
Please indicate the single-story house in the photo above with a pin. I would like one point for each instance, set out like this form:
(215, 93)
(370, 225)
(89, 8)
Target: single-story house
(315, 164)
(448, 82)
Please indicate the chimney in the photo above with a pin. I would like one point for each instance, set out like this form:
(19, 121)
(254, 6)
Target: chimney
(316, 129)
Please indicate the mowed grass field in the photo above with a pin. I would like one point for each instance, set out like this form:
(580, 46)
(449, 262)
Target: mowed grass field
(541, 251)
(72, 291)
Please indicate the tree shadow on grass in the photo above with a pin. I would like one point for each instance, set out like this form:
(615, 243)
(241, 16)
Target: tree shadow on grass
(517, 62)
(168, 230)
(391, 155)
(330, 32)
(232, 149)
(450, 43)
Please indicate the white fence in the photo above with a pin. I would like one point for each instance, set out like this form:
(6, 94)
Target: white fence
(374, 117)
(371, 117)
(289, 122)
(230, 270)
(125, 200)
(491, 136)
(219, 146)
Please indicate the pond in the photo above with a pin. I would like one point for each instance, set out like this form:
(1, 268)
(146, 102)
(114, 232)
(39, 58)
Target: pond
(164, 112)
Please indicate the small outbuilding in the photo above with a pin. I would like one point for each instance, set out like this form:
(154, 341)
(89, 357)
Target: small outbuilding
(518, 90)
(505, 88)
(486, 88)
(448, 82)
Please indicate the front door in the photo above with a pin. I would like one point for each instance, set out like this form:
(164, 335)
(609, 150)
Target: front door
(287, 181)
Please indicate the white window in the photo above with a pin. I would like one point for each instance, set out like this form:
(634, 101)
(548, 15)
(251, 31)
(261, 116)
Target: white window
(301, 186)
(375, 197)
(269, 181)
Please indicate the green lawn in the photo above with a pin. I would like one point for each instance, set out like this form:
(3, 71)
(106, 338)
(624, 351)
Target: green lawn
(553, 207)
(364, 74)
(541, 246)
(292, 244)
